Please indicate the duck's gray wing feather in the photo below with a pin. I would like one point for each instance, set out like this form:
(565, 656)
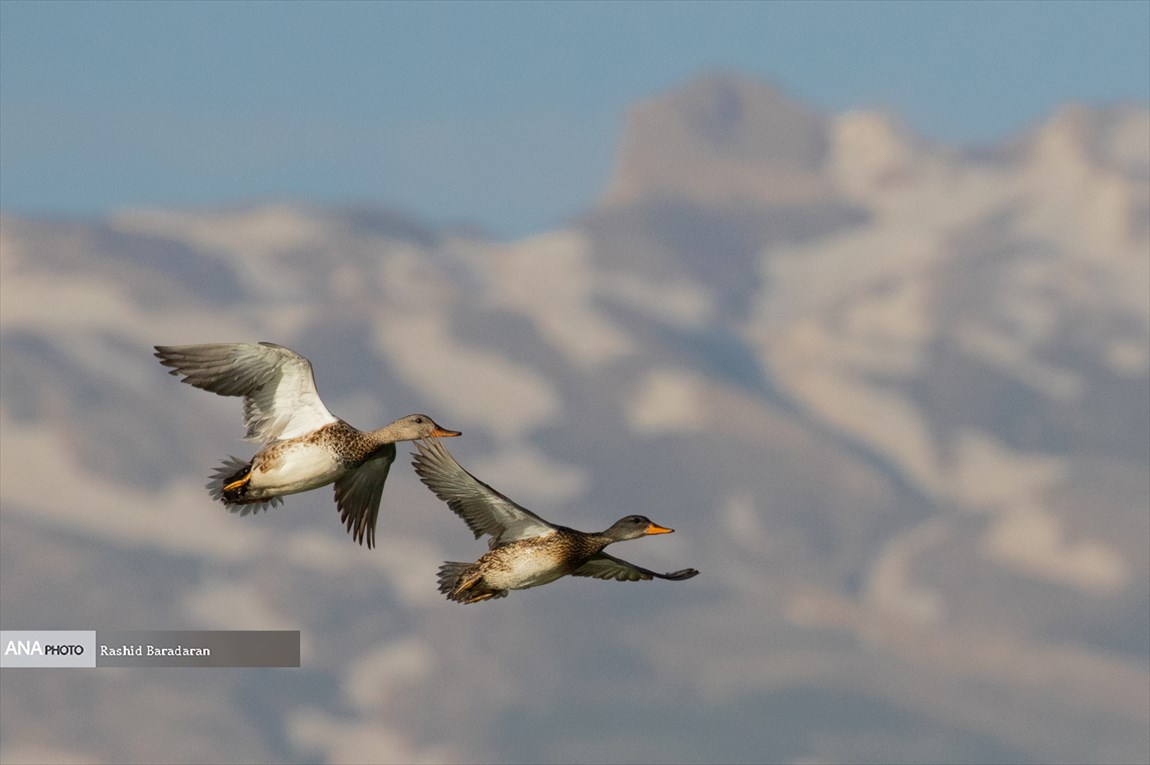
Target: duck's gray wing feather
(604, 566)
(483, 509)
(358, 493)
(277, 384)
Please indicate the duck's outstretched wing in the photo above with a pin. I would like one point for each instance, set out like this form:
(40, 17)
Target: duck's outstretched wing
(604, 566)
(277, 385)
(357, 495)
(485, 510)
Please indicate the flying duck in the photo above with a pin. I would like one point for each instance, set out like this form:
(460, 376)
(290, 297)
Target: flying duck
(526, 551)
(303, 445)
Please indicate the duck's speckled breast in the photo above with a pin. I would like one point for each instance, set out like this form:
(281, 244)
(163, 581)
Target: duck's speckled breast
(349, 445)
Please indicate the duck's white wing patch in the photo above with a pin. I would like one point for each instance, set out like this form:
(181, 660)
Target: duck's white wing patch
(277, 385)
(287, 407)
(357, 495)
(485, 510)
(604, 566)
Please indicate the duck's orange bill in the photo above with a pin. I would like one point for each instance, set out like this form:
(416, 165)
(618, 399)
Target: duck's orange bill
(655, 529)
(441, 433)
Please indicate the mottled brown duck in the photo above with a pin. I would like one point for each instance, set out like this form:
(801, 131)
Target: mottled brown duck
(525, 550)
(303, 445)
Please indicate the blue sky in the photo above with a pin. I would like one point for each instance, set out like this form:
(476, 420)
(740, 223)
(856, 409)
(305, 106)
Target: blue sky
(504, 115)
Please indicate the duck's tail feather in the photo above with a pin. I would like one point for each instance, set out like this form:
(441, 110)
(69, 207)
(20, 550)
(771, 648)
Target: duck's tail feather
(231, 471)
(449, 574)
(463, 584)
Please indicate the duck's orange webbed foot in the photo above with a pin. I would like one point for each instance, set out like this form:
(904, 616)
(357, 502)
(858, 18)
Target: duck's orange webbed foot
(464, 586)
(480, 598)
(237, 484)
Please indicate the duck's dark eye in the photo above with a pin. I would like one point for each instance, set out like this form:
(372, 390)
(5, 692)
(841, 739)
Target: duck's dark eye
(418, 420)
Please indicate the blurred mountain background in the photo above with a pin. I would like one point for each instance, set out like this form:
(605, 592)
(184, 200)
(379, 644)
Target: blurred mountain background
(893, 396)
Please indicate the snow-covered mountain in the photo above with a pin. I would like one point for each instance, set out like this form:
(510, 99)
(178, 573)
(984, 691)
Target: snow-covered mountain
(893, 396)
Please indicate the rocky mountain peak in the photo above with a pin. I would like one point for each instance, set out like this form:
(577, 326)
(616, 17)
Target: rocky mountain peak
(721, 139)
